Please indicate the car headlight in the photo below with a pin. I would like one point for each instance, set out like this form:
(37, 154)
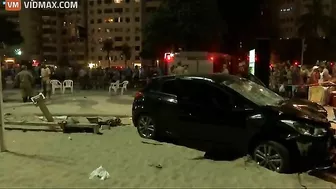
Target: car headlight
(306, 129)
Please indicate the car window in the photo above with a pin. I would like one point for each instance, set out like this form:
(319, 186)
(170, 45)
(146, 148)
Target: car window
(170, 87)
(204, 94)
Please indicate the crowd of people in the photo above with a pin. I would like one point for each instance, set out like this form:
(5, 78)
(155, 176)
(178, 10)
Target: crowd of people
(293, 79)
(28, 80)
(284, 78)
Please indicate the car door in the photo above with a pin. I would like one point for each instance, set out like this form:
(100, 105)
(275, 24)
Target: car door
(205, 112)
(167, 106)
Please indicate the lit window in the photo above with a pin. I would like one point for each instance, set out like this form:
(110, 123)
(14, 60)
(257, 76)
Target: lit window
(117, 1)
(137, 1)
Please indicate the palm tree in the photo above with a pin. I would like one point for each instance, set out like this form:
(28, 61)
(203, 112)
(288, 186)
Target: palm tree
(314, 20)
(108, 48)
(126, 52)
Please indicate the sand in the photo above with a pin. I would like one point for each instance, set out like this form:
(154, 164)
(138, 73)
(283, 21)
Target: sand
(41, 159)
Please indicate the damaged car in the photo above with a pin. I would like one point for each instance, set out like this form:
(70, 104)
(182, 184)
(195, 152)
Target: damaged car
(230, 112)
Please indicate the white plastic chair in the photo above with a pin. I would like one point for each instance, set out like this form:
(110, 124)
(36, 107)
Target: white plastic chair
(68, 84)
(55, 84)
(114, 86)
(123, 86)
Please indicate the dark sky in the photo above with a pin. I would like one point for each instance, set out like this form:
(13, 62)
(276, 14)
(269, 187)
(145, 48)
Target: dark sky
(242, 18)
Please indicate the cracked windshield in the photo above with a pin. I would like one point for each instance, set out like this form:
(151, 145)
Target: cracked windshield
(168, 93)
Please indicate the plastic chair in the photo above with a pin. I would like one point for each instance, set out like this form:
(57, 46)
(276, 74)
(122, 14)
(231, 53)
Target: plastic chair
(114, 86)
(55, 84)
(123, 86)
(68, 84)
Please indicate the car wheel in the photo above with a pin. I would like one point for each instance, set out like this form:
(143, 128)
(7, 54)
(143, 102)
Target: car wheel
(146, 127)
(273, 156)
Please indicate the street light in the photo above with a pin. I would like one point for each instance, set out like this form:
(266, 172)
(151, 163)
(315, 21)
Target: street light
(18, 52)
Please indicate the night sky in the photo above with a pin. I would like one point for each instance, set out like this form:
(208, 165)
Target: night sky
(242, 18)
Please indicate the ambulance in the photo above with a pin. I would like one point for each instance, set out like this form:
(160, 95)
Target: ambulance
(204, 62)
(197, 62)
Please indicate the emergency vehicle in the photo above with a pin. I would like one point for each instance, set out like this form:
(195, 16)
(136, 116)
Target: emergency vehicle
(204, 62)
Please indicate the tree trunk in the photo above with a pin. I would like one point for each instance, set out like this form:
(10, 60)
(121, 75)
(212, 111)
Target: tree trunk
(109, 59)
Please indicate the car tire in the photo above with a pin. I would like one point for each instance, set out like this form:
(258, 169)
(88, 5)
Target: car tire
(146, 126)
(273, 156)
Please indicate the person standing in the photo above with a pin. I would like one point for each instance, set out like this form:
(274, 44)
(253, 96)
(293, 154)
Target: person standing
(225, 69)
(82, 77)
(45, 79)
(25, 80)
(179, 70)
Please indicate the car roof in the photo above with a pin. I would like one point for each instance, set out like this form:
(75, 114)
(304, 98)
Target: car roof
(216, 77)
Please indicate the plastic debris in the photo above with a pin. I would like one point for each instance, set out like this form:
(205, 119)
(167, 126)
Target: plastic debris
(159, 166)
(100, 172)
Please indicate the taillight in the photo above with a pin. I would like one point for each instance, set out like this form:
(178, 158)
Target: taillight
(138, 94)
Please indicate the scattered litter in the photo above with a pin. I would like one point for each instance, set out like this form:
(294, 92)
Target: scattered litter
(112, 122)
(72, 120)
(152, 143)
(159, 166)
(69, 138)
(60, 117)
(105, 127)
(100, 172)
(42, 118)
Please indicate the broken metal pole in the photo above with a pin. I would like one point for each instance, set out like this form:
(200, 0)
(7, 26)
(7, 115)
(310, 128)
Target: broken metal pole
(39, 100)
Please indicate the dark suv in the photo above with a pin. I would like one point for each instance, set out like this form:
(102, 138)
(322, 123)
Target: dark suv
(232, 112)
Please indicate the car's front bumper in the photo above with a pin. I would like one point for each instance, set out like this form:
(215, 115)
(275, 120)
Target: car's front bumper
(315, 153)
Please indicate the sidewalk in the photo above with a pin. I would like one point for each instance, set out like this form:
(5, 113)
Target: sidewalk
(79, 103)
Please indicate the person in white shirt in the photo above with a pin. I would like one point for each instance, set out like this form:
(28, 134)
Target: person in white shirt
(45, 77)
(185, 71)
(179, 70)
(225, 69)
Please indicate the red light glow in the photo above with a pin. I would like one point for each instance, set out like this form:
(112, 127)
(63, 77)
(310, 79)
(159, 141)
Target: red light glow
(35, 63)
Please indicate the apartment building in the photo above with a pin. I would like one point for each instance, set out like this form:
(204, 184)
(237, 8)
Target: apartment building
(28, 23)
(50, 35)
(119, 20)
(291, 10)
(73, 46)
(61, 43)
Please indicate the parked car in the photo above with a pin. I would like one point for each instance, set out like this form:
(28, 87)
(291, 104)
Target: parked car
(229, 111)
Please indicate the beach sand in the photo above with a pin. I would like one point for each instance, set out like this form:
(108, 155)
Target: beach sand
(41, 159)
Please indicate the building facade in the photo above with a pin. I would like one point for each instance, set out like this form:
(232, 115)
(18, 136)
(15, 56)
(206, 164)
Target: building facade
(121, 21)
(52, 36)
(28, 23)
(61, 43)
(290, 12)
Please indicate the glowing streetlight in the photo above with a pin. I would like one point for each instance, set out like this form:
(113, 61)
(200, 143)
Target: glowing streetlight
(91, 65)
(18, 52)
